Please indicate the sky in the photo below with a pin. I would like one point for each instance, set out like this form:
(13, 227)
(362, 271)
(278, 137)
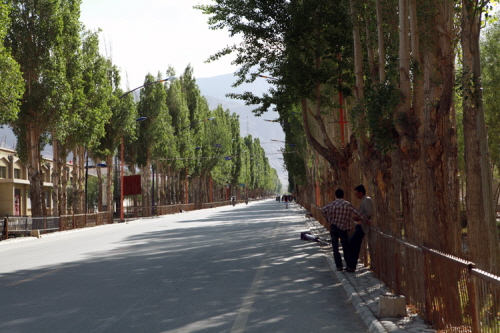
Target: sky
(147, 36)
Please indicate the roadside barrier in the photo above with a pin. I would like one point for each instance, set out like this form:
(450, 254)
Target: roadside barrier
(450, 293)
(15, 226)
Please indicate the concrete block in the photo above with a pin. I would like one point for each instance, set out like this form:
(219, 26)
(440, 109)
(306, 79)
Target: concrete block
(390, 305)
(35, 233)
(376, 327)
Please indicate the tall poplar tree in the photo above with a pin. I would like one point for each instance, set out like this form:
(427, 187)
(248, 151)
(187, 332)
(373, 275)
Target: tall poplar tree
(152, 132)
(38, 29)
(306, 46)
(484, 247)
(11, 81)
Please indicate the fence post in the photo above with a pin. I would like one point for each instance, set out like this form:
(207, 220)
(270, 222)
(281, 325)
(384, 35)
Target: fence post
(428, 300)
(471, 289)
(396, 268)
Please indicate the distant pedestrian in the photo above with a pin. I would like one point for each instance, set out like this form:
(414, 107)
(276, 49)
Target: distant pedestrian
(338, 214)
(366, 207)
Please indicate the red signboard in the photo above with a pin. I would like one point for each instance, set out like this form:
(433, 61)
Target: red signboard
(132, 185)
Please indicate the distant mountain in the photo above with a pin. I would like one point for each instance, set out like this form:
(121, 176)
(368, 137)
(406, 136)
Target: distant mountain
(215, 89)
(7, 138)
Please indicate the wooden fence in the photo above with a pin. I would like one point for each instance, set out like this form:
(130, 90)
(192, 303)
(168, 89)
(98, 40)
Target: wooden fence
(448, 292)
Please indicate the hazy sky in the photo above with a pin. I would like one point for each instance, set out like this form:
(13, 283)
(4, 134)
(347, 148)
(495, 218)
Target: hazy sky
(146, 36)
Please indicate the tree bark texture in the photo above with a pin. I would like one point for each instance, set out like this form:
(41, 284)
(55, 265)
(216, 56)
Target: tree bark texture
(56, 179)
(428, 137)
(481, 224)
(34, 171)
(109, 183)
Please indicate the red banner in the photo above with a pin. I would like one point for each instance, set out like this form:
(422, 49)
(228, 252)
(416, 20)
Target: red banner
(132, 185)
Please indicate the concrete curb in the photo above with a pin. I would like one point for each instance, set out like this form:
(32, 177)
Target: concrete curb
(364, 289)
(373, 324)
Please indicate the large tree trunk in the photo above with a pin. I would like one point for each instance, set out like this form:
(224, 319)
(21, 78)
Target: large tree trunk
(63, 209)
(170, 186)
(410, 140)
(175, 187)
(358, 55)
(146, 186)
(78, 179)
(99, 186)
(81, 180)
(481, 224)
(109, 183)
(381, 43)
(56, 178)
(198, 191)
(163, 184)
(34, 174)
(441, 137)
(428, 135)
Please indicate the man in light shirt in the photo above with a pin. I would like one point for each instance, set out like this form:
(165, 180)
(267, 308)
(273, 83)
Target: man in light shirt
(338, 213)
(366, 207)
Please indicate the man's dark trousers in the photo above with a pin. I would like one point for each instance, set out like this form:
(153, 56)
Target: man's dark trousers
(354, 247)
(337, 233)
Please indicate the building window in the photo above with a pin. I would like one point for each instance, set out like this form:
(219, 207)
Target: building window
(3, 172)
(47, 199)
(17, 173)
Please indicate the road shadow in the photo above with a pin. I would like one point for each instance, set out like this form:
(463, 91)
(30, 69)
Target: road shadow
(187, 279)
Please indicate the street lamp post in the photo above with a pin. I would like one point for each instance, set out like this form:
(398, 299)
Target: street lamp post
(147, 84)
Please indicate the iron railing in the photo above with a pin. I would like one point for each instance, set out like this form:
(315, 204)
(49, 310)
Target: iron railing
(23, 225)
(450, 293)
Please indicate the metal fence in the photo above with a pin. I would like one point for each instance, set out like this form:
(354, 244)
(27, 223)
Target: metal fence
(140, 211)
(449, 292)
(23, 225)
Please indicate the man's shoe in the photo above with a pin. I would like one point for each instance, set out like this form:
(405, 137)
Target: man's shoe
(340, 268)
(350, 270)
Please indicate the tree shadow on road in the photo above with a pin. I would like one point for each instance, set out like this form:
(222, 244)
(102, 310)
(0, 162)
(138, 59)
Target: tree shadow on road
(195, 277)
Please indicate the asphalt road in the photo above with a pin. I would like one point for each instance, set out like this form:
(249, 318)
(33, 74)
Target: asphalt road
(229, 269)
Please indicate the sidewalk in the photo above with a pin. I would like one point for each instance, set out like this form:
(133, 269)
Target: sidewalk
(364, 289)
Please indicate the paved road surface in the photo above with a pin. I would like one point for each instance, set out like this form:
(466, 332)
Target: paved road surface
(229, 269)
